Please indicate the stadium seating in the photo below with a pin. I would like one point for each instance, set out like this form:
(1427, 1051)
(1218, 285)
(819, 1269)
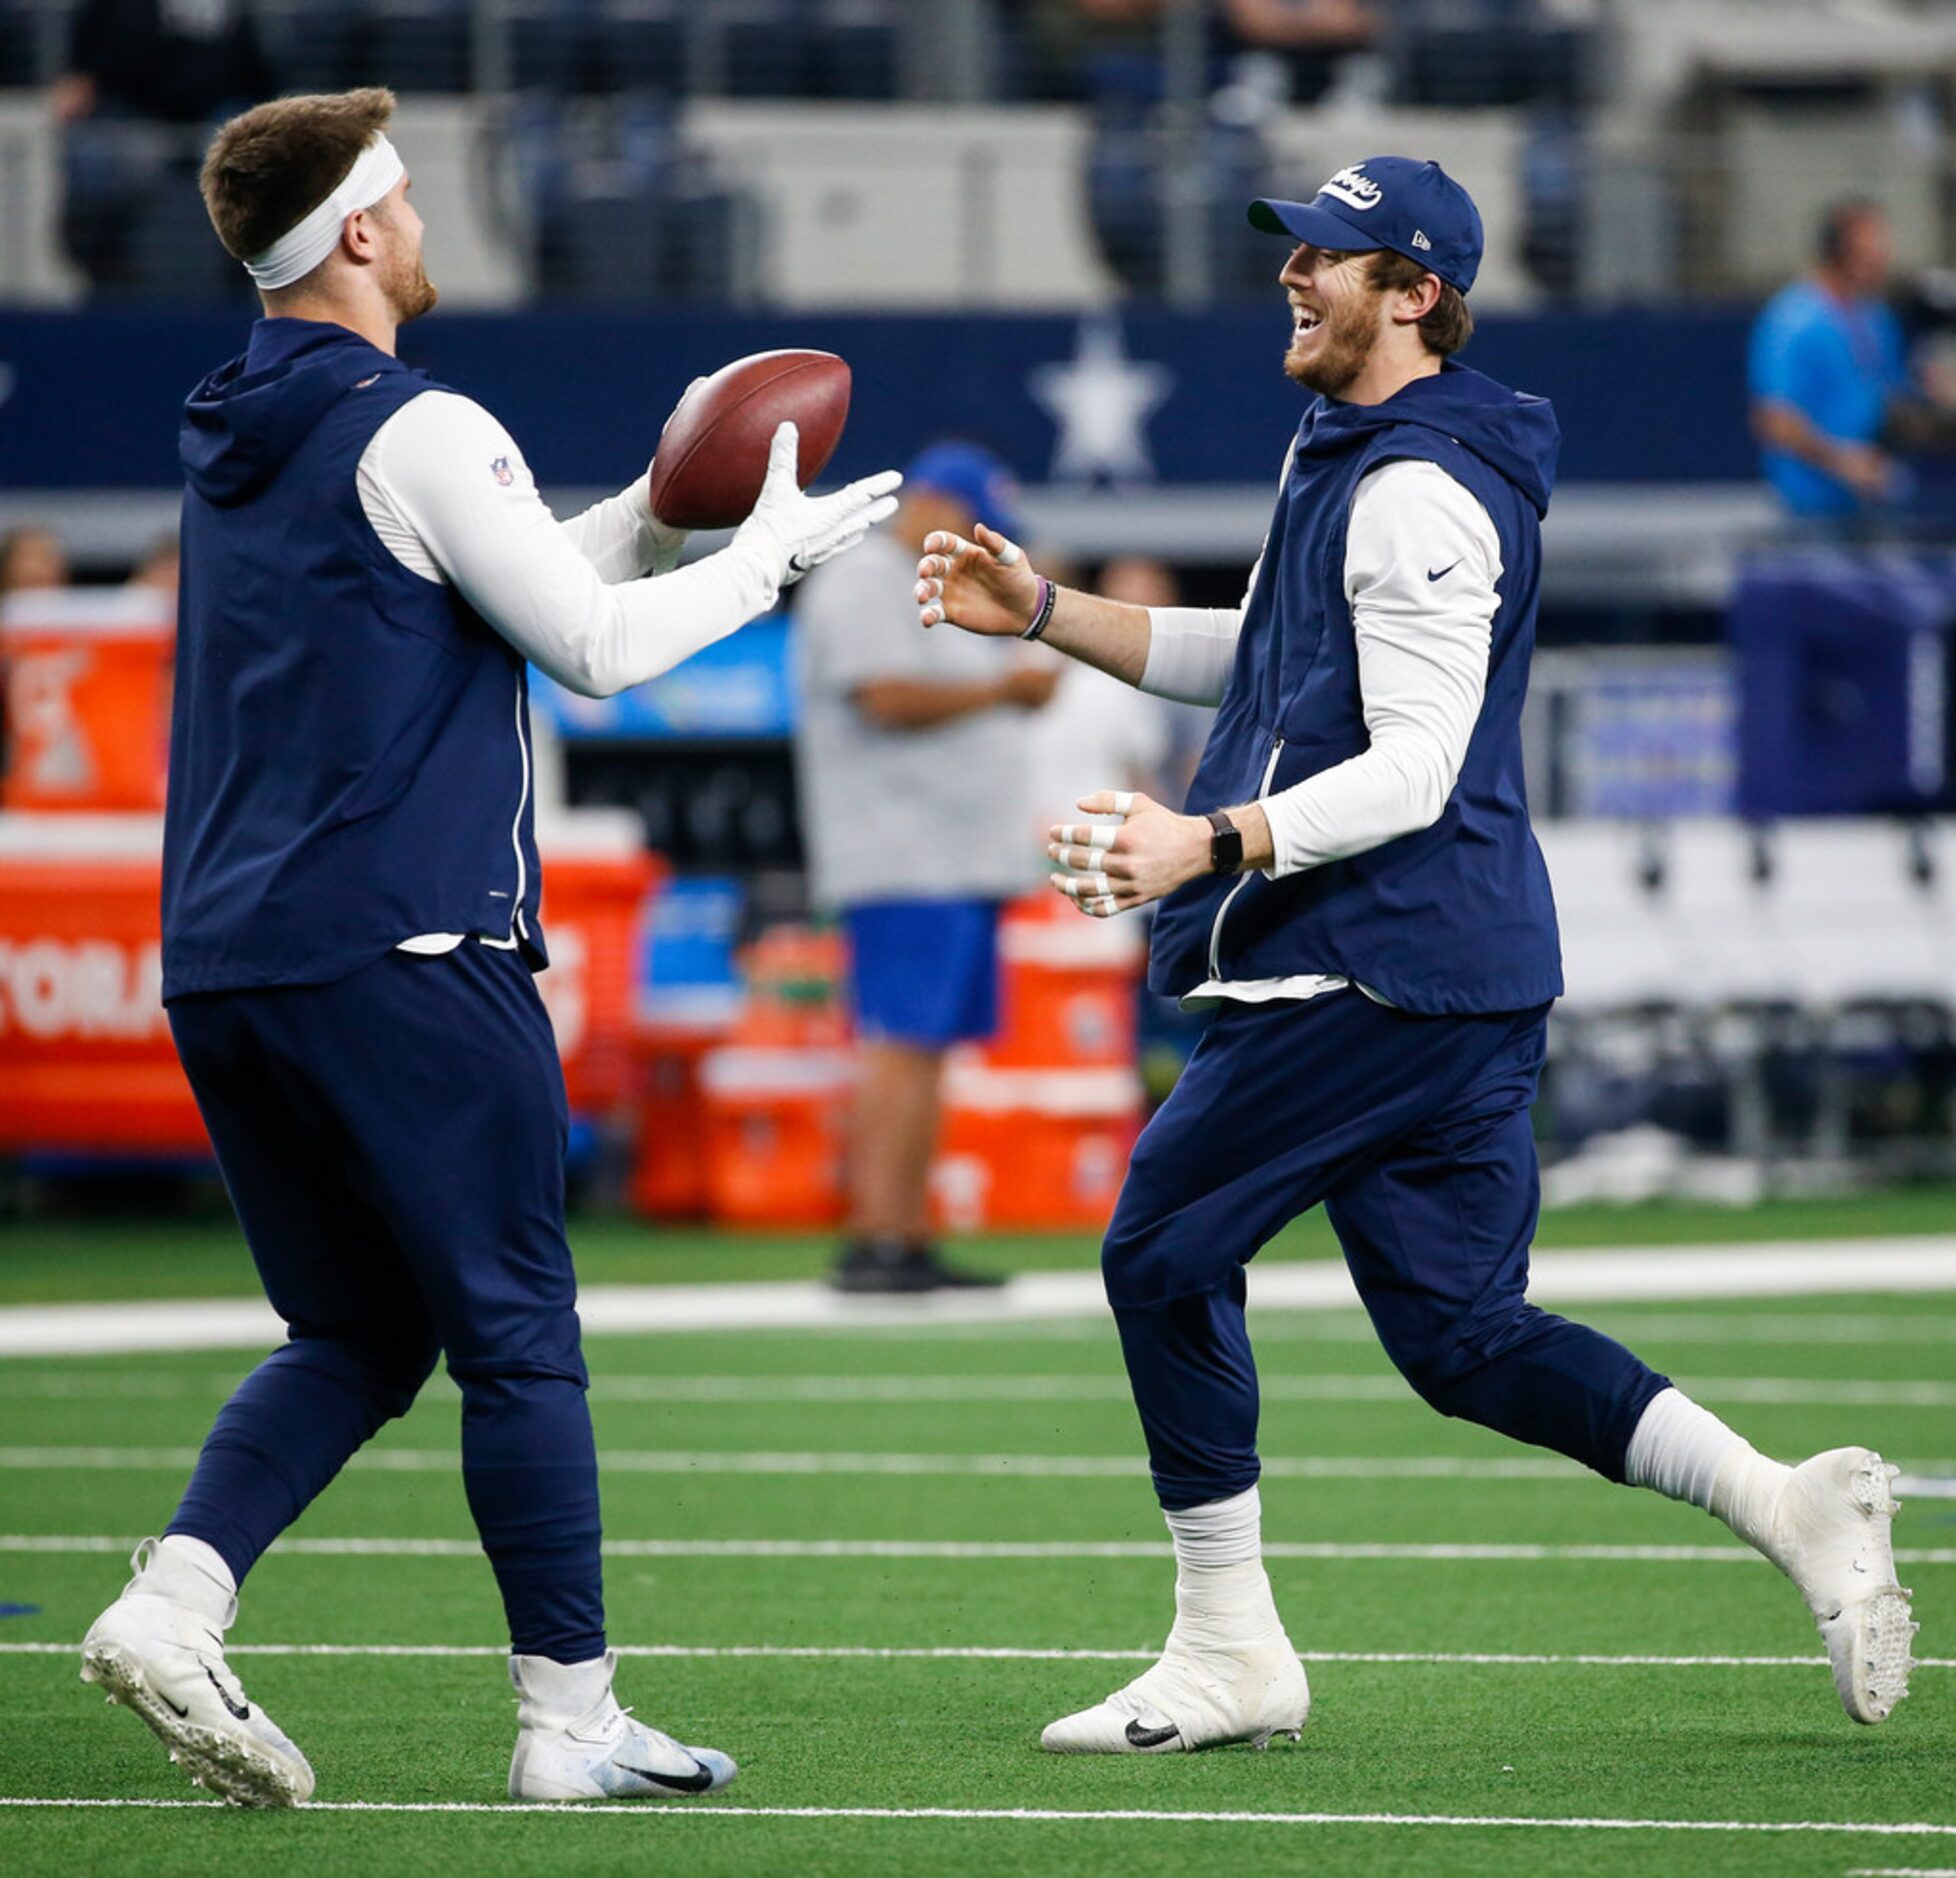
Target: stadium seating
(621, 209)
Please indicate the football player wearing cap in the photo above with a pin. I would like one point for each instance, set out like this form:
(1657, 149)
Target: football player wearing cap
(350, 928)
(1356, 891)
(911, 761)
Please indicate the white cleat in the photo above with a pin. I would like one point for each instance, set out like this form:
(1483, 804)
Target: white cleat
(574, 1742)
(1831, 1537)
(1195, 1699)
(159, 1650)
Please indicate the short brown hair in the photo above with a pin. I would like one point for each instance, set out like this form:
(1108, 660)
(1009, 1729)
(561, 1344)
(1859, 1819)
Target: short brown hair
(1449, 325)
(270, 168)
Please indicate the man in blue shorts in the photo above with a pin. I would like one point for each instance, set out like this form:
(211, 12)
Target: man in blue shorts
(1358, 894)
(912, 761)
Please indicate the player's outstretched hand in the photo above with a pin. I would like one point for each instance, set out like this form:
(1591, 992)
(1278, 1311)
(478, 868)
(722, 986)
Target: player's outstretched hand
(802, 531)
(985, 586)
(1144, 855)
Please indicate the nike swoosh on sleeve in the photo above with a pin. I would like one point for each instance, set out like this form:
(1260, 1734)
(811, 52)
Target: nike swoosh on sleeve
(1441, 573)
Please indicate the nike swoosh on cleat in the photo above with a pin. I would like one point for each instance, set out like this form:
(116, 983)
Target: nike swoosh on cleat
(696, 1782)
(1139, 1737)
(241, 1714)
(1443, 572)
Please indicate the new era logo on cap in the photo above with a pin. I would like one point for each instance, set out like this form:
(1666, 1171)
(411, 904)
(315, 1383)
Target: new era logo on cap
(1413, 208)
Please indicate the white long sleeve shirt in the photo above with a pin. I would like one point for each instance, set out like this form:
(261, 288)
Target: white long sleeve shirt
(449, 495)
(1422, 563)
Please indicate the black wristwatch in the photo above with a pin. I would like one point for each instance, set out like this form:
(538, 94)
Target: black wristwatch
(1225, 845)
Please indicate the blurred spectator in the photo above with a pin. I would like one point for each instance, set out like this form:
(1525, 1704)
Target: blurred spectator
(1076, 48)
(173, 61)
(141, 74)
(1311, 36)
(1828, 370)
(911, 752)
(31, 557)
(158, 567)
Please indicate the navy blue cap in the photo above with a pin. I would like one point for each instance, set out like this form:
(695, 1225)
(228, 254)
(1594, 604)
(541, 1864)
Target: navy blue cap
(975, 477)
(1415, 209)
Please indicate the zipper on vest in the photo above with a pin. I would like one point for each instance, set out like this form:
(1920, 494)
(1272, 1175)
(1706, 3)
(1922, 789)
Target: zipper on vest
(1222, 912)
(517, 928)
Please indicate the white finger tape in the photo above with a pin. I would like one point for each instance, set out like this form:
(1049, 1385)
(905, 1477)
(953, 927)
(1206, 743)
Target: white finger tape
(1104, 907)
(1088, 835)
(1123, 801)
(1009, 555)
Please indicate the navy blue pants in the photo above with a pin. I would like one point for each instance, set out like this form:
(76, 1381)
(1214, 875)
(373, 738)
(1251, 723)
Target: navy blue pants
(394, 1146)
(1414, 1132)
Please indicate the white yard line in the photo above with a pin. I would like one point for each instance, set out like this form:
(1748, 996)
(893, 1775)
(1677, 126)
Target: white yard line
(69, 1544)
(1007, 1653)
(1786, 1268)
(1001, 1466)
(1372, 1387)
(955, 1466)
(1885, 1829)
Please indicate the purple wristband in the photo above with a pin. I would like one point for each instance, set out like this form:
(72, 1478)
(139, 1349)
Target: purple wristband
(1042, 614)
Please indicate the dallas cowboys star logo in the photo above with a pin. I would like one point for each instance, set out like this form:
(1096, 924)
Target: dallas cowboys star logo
(1101, 400)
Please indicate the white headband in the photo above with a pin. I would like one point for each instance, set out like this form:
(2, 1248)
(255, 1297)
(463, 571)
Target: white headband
(310, 240)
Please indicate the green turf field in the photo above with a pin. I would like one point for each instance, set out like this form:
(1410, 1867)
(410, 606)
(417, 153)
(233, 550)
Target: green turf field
(871, 1563)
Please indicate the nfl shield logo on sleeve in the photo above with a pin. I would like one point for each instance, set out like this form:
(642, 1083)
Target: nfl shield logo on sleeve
(502, 472)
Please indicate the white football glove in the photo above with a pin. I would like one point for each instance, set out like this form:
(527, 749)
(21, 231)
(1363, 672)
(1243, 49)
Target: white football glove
(796, 531)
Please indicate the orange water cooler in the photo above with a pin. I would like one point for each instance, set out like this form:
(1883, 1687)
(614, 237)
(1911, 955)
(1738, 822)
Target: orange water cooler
(775, 1095)
(86, 1059)
(87, 684)
(1039, 1123)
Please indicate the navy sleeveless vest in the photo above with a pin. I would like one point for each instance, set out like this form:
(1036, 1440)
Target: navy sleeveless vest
(349, 745)
(1456, 918)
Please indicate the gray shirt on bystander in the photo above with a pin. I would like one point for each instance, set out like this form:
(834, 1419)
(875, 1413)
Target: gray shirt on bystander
(935, 814)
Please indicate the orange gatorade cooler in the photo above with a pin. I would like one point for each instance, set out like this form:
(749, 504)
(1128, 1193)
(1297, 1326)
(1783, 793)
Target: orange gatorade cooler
(669, 1175)
(1042, 1148)
(87, 675)
(86, 1060)
(596, 878)
(774, 1122)
(86, 1057)
(1068, 988)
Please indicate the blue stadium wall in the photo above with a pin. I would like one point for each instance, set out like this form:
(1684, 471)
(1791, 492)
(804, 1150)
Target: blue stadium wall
(91, 399)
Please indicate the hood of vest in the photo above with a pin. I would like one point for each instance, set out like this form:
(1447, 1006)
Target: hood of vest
(243, 423)
(1513, 433)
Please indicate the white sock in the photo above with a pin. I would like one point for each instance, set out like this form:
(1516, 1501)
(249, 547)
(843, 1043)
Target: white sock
(191, 1572)
(1686, 1453)
(1222, 1593)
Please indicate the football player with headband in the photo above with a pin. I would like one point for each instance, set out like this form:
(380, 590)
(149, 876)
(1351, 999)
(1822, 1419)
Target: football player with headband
(351, 900)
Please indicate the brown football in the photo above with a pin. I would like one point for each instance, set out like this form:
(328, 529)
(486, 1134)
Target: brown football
(712, 455)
